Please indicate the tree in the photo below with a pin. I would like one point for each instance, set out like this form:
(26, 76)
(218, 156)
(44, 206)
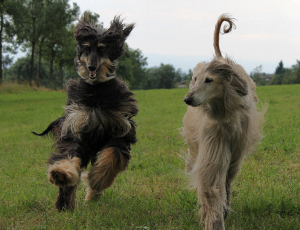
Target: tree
(257, 72)
(27, 17)
(132, 68)
(153, 78)
(43, 33)
(54, 21)
(7, 44)
(66, 52)
(280, 69)
(279, 74)
(162, 77)
(288, 77)
(19, 71)
(58, 32)
(167, 76)
(188, 77)
(34, 21)
(2, 12)
(125, 68)
(296, 72)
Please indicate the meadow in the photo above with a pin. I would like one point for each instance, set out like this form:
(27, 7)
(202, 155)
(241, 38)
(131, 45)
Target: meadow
(153, 193)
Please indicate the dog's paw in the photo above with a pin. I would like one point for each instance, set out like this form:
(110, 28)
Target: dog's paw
(65, 172)
(92, 195)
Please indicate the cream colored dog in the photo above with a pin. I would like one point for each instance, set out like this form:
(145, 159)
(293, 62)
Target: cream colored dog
(221, 126)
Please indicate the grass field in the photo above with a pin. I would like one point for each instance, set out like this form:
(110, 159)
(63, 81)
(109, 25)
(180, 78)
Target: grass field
(153, 193)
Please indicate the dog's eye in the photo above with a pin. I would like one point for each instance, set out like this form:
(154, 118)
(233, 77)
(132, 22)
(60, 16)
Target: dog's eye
(101, 48)
(208, 80)
(87, 48)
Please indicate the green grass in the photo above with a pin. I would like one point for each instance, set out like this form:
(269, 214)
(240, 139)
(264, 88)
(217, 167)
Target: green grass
(153, 193)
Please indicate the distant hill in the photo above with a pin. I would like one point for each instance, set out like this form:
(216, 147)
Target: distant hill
(189, 62)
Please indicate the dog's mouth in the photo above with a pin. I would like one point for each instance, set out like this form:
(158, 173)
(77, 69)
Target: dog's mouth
(192, 102)
(93, 74)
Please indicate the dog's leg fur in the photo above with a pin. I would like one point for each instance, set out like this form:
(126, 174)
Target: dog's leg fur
(212, 200)
(212, 197)
(191, 157)
(109, 163)
(231, 174)
(65, 173)
(209, 174)
(66, 198)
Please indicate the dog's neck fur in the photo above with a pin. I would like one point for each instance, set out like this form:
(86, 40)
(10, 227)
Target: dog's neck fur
(105, 106)
(217, 110)
(107, 95)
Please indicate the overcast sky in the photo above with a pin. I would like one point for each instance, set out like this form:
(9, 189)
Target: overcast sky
(180, 32)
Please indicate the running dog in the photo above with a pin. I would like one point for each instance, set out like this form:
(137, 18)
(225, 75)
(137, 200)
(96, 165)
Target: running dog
(97, 125)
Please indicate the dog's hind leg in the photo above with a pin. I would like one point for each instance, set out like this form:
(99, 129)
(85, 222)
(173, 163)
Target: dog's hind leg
(109, 163)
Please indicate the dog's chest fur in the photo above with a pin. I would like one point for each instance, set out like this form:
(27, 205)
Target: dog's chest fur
(200, 129)
(106, 108)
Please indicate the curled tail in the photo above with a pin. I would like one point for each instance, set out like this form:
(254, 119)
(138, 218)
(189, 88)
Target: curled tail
(222, 18)
(49, 128)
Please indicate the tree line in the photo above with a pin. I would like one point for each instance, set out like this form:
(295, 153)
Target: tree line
(44, 30)
(281, 76)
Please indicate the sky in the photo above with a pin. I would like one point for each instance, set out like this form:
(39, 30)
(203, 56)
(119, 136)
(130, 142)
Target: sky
(180, 32)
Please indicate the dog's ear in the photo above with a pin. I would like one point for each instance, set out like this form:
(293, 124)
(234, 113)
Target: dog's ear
(239, 85)
(118, 30)
(127, 30)
(115, 37)
(84, 30)
(225, 70)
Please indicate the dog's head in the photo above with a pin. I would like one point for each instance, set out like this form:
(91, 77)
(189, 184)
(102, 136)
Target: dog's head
(213, 81)
(98, 50)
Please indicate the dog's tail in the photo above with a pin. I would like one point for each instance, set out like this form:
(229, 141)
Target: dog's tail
(49, 128)
(222, 18)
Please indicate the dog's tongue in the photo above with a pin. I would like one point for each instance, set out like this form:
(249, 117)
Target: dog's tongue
(92, 73)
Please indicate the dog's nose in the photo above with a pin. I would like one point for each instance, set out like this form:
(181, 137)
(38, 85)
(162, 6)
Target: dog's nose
(188, 100)
(92, 68)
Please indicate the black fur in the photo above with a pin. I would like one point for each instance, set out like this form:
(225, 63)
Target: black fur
(89, 36)
(110, 99)
(49, 128)
(109, 96)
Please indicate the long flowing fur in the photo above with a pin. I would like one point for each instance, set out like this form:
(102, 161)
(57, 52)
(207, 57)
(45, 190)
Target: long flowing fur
(221, 127)
(97, 126)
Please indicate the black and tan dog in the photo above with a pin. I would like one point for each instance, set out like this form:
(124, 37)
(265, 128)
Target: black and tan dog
(97, 126)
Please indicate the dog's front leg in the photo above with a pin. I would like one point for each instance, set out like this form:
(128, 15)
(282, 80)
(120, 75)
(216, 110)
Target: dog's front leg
(210, 177)
(212, 199)
(111, 160)
(66, 198)
(64, 171)
(231, 174)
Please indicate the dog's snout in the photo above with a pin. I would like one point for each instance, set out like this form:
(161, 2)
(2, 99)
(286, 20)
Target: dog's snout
(92, 68)
(188, 100)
